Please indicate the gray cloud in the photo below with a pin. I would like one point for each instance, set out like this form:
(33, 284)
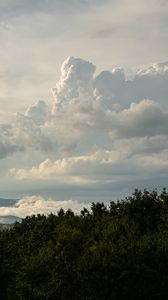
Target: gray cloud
(103, 33)
(89, 112)
(8, 143)
(145, 118)
(38, 112)
(90, 136)
(12, 8)
(149, 83)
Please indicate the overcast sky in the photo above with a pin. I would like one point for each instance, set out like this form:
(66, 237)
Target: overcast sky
(83, 100)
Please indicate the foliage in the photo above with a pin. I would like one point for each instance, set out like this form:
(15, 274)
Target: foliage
(114, 252)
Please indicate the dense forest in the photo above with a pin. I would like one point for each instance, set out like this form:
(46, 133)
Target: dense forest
(119, 251)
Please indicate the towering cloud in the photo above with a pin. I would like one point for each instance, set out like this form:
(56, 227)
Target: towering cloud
(76, 78)
(110, 89)
(100, 128)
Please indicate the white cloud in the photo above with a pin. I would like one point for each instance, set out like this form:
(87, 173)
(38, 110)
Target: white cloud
(137, 160)
(90, 136)
(88, 110)
(34, 205)
(76, 77)
(79, 169)
(149, 83)
(92, 110)
(155, 70)
(37, 35)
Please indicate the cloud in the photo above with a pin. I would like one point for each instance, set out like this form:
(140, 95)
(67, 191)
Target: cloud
(13, 8)
(90, 112)
(137, 160)
(159, 160)
(103, 33)
(76, 77)
(38, 112)
(8, 144)
(111, 88)
(23, 134)
(77, 169)
(146, 118)
(34, 205)
(148, 83)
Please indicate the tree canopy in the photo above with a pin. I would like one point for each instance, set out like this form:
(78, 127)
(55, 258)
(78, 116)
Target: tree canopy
(119, 251)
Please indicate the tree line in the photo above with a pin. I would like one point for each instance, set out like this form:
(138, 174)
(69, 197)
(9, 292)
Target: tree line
(119, 251)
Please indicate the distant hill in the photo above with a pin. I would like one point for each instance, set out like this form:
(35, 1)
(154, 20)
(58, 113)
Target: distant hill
(7, 202)
(6, 220)
(9, 219)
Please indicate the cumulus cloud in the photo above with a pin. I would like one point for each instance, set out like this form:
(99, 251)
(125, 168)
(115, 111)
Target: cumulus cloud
(148, 83)
(38, 112)
(34, 205)
(79, 169)
(21, 135)
(146, 118)
(89, 114)
(108, 85)
(138, 160)
(154, 70)
(25, 132)
(110, 89)
(76, 77)
(8, 143)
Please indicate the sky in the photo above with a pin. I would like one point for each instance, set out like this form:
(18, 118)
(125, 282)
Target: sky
(83, 101)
